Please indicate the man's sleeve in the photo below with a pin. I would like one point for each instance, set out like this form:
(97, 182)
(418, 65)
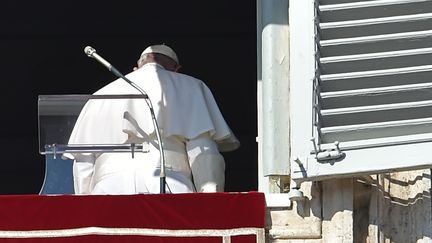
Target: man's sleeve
(83, 168)
(207, 164)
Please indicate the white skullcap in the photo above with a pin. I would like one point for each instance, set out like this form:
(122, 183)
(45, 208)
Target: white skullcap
(161, 49)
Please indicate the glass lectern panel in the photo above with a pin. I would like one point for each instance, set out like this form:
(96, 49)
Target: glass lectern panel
(57, 118)
(58, 115)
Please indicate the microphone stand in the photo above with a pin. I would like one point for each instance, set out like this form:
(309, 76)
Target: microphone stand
(92, 53)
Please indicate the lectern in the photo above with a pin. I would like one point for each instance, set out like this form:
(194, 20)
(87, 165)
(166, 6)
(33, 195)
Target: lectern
(57, 117)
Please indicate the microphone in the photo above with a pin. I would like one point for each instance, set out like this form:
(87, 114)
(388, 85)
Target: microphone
(91, 52)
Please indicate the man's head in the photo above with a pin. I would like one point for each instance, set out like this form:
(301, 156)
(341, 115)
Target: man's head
(161, 54)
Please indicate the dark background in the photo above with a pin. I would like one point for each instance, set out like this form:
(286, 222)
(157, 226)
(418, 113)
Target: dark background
(41, 46)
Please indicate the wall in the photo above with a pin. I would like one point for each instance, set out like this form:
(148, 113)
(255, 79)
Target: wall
(390, 208)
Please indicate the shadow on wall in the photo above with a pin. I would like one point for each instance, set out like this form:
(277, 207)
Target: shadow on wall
(404, 206)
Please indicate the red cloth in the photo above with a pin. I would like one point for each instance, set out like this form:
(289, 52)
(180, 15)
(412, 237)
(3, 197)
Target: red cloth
(161, 211)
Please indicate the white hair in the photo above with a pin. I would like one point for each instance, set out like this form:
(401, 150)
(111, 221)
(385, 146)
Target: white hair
(142, 59)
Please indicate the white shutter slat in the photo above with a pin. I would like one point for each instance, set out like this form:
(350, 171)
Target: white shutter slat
(376, 26)
(376, 38)
(382, 142)
(375, 73)
(387, 60)
(373, 47)
(377, 55)
(375, 21)
(376, 96)
(364, 115)
(370, 9)
(376, 130)
(364, 4)
(376, 91)
(377, 108)
(408, 78)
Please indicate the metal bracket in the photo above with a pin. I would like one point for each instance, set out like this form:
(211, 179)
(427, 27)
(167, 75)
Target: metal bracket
(330, 154)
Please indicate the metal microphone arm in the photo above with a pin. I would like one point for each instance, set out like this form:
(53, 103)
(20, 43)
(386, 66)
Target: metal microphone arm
(92, 53)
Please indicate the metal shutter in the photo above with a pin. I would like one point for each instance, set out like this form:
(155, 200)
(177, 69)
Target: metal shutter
(371, 87)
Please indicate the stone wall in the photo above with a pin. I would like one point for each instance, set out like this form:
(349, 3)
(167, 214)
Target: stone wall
(390, 208)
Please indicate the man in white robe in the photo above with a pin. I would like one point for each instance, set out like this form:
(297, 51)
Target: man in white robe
(191, 125)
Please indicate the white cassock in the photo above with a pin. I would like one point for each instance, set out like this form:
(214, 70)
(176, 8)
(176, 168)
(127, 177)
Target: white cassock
(191, 125)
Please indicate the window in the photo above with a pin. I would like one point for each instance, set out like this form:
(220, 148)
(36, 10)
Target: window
(361, 86)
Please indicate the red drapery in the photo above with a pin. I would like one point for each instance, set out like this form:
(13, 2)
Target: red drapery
(116, 217)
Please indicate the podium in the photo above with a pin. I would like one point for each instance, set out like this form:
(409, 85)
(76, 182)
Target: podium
(57, 116)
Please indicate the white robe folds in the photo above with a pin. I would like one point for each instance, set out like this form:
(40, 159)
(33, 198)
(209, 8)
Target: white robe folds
(186, 113)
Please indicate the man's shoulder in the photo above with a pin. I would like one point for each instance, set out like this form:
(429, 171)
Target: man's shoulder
(188, 78)
(114, 87)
